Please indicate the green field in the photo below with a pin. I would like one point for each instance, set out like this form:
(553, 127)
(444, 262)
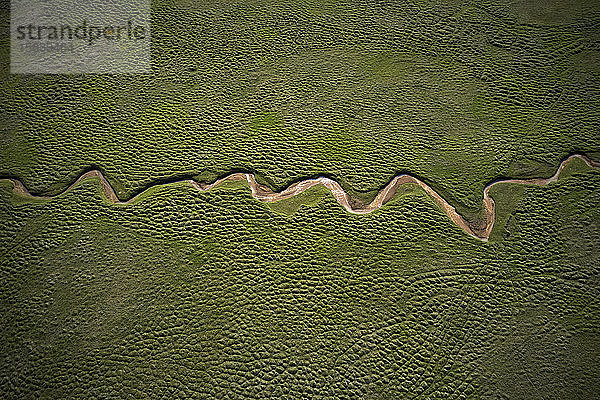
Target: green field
(456, 94)
(218, 295)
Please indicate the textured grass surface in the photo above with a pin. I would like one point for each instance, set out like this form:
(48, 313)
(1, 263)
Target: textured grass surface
(455, 93)
(216, 294)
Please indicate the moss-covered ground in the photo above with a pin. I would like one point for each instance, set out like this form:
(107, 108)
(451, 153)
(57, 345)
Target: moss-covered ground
(216, 295)
(456, 93)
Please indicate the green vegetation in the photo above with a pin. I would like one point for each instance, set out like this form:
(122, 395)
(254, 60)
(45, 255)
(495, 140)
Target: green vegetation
(454, 93)
(310, 197)
(214, 294)
(183, 293)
